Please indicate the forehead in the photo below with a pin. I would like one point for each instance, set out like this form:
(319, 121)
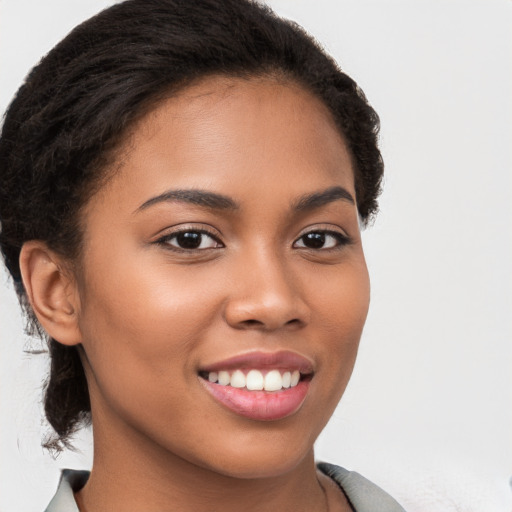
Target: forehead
(223, 133)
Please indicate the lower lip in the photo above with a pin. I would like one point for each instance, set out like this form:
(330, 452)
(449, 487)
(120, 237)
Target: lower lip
(260, 405)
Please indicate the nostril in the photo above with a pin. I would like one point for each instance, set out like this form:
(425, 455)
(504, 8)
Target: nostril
(266, 313)
(257, 324)
(252, 323)
(294, 324)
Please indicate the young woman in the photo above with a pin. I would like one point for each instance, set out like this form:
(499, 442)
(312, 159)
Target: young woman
(182, 189)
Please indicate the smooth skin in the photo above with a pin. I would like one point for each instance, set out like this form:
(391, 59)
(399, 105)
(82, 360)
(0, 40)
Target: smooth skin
(275, 264)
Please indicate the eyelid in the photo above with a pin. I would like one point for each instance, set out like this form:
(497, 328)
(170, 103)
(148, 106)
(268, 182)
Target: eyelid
(326, 229)
(204, 229)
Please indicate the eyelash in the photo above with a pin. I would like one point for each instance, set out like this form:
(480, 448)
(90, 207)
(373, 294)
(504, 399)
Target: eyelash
(341, 240)
(165, 240)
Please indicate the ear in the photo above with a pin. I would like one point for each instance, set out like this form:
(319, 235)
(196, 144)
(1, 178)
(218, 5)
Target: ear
(52, 291)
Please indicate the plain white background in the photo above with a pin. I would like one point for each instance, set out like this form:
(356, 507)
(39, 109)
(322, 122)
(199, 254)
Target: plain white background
(428, 413)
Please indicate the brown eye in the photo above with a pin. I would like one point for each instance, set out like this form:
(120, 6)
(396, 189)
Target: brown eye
(321, 240)
(314, 240)
(191, 240)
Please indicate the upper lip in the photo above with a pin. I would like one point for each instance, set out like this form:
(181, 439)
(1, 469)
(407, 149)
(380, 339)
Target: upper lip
(285, 359)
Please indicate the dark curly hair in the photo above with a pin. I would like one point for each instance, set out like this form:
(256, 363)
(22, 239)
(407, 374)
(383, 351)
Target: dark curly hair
(76, 105)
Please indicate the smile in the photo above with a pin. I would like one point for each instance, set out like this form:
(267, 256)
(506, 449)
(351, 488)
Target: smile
(260, 386)
(256, 380)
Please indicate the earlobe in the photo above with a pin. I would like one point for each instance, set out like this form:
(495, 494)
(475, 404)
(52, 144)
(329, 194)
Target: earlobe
(51, 291)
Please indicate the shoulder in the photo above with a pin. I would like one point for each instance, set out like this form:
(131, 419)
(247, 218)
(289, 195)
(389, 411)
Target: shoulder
(364, 496)
(70, 481)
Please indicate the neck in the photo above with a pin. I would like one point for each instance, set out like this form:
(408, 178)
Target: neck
(133, 473)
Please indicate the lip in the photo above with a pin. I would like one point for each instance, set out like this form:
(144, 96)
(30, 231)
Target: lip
(261, 405)
(283, 359)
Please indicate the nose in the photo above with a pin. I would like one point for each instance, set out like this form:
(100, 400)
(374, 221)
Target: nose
(265, 295)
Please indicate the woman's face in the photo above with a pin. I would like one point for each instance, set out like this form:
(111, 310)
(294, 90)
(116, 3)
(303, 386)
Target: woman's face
(226, 246)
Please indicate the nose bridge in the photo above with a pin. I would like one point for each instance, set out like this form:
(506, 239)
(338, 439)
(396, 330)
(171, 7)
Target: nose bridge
(265, 293)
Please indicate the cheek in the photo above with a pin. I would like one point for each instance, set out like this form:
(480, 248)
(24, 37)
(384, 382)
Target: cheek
(340, 315)
(341, 298)
(141, 335)
(142, 326)
(132, 290)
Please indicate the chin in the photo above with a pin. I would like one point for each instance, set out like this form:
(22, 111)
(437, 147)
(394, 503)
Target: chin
(260, 466)
(265, 454)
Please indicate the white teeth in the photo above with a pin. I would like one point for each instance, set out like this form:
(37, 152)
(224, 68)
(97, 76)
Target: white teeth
(254, 380)
(273, 380)
(224, 378)
(238, 379)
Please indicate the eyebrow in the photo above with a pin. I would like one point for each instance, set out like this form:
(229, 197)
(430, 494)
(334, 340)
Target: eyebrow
(317, 199)
(216, 201)
(193, 196)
